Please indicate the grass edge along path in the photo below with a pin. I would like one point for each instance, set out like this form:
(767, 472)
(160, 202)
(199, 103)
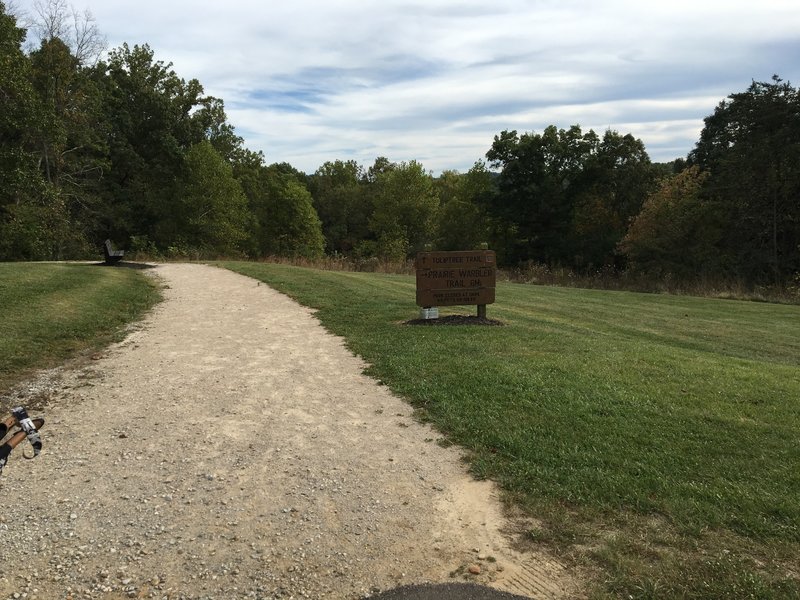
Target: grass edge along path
(52, 312)
(655, 437)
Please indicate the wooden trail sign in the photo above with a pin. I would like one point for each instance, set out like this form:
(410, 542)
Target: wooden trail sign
(456, 278)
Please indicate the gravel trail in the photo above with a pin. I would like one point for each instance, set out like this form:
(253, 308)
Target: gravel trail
(230, 447)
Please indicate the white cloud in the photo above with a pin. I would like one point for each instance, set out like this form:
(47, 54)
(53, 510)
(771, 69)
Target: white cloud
(308, 81)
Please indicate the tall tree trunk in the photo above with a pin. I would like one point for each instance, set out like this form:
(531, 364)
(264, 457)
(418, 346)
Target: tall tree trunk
(775, 266)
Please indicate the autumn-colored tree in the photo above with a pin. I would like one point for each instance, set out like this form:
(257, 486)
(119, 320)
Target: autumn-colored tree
(677, 231)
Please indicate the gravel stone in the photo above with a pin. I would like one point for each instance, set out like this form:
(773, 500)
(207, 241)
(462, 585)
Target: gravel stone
(231, 448)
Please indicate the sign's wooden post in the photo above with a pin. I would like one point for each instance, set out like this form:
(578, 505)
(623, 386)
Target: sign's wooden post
(456, 278)
(482, 307)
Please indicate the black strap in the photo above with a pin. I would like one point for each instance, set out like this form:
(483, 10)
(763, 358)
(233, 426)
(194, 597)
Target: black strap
(5, 450)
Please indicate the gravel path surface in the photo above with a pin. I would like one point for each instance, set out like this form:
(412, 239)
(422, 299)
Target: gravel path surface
(231, 448)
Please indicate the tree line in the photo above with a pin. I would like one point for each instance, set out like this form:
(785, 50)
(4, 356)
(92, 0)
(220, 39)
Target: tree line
(97, 145)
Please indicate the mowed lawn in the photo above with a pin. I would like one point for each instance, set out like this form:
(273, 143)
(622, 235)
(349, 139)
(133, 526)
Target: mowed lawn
(51, 311)
(656, 437)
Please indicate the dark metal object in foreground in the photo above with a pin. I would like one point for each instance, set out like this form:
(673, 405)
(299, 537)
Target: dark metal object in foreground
(28, 430)
(446, 591)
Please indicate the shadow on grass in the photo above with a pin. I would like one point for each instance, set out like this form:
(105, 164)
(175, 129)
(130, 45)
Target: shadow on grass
(126, 265)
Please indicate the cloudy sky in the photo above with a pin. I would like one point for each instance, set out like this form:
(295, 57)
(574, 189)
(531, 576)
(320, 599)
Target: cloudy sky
(308, 81)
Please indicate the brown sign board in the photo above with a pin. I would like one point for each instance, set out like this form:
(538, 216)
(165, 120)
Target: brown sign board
(428, 298)
(456, 278)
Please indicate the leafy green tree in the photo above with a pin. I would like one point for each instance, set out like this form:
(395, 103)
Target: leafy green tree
(343, 204)
(125, 148)
(462, 221)
(28, 216)
(212, 122)
(19, 111)
(618, 176)
(381, 166)
(153, 118)
(69, 138)
(210, 212)
(286, 169)
(247, 166)
(289, 225)
(283, 221)
(540, 175)
(249, 170)
(566, 195)
(406, 207)
(750, 146)
(72, 145)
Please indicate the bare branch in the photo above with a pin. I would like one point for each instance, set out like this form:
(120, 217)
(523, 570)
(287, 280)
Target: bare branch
(51, 19)
(58, 19)
(89, 43)
(24, 19)
(15, 10)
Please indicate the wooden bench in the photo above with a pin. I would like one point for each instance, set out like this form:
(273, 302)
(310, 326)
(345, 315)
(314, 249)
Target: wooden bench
(112, 256)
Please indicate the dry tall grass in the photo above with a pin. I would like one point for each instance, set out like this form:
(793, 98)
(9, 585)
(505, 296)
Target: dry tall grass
(534, 273)
(538, 274)
(341, 263)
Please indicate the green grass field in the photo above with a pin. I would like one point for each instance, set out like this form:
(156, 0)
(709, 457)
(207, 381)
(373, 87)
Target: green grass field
(50, 312)
(657, 438)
